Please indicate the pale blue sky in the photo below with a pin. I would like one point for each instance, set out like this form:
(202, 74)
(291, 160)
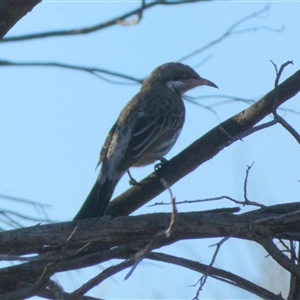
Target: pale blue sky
(54, 121)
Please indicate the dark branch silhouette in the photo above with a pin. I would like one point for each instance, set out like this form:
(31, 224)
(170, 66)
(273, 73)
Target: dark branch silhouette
(67, 246)
(120, 20)
(11, 11)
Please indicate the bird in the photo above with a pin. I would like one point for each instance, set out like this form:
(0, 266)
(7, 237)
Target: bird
(145, 131)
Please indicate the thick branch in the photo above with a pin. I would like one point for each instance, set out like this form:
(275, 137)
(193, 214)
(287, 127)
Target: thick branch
(277, 221)
(11, 11)
(202, 149)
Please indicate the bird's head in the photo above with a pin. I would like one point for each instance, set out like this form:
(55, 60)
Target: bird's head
(178, 77)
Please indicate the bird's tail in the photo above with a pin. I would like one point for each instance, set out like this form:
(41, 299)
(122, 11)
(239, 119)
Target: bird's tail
(97, 200)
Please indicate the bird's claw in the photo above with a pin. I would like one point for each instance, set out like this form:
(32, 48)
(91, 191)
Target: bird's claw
(159, 166)
(132, 181)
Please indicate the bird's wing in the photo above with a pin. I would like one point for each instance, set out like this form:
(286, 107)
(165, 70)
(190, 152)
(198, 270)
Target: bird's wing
(106, 144)
(138, 132)
(149, 132)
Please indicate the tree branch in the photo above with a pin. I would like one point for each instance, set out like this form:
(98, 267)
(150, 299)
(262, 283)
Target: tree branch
(232, 31)
(216, 273)
(11, 11)
(90, 70)
(202, 149)
(85, 30)
(107, 237)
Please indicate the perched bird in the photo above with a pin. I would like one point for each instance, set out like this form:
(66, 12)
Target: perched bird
(146, 129)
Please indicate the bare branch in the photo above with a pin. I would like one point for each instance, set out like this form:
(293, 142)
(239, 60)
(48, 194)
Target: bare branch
(99, 278)
(227, 99)
(12, 11)
(158, 236)
(107, 238)
(279, 257)
(134, 21)
(22, 200)
(216, 273)
(86, 30)
(10, 218)
(278, 118)
(245, 202)
(232, 31)
(208, 270)
(44, 278)
(90, 70)
(9, 213)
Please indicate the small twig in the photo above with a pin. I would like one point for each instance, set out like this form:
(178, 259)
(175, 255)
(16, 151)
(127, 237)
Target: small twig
(249, 131)
(90, 70)
(231, 31)
(287, 127)
(278, 74)
(139, 15)
(8, 214)
(278, 118)
(198, 201)
(290, 249)
(246, 182)
(207, 271)
(245, 202)
(22, 200)
(278, 256)
(158, 236)
(99, 278)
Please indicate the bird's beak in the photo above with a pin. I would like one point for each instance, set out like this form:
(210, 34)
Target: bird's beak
(203, 81)
(183, 86)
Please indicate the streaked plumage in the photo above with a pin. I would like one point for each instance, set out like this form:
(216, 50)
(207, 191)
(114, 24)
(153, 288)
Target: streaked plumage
(146, 129)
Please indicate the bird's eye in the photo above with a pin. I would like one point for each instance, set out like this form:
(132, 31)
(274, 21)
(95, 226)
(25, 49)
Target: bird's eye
(185, 76)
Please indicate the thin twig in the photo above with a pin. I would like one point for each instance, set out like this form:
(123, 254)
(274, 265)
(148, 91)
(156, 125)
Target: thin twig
(205, 275)
(158, 236)
(231, 31)
(139, 15)
(227, 99)
(90, 70)
(278, 118)
(86, 30)
(108, 272)
(278, 256)
(245, 202)
(22, 200)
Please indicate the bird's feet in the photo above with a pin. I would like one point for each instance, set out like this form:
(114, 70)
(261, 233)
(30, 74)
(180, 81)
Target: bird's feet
(132, 181)
(159, 166)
